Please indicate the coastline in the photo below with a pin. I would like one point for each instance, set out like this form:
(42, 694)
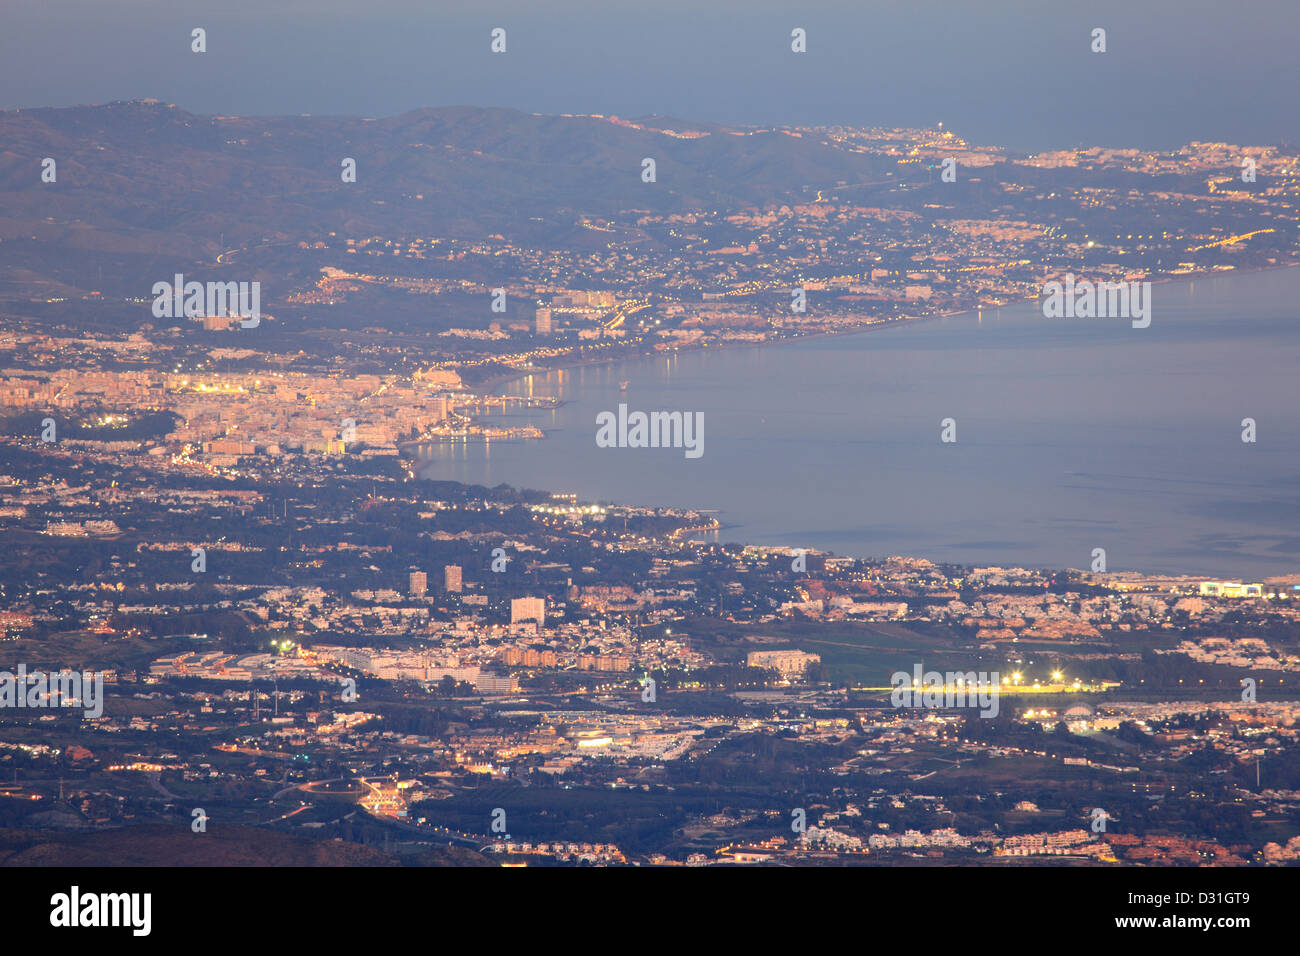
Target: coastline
(506, 378)
(724, 528)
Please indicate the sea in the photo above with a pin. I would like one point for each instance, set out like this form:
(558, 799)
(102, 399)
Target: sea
(1071, 435)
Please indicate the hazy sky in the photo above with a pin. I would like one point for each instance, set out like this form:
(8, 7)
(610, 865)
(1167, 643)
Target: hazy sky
(1012, 72)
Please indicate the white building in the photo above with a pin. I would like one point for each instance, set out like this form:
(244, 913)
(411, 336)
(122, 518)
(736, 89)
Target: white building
(528, 609)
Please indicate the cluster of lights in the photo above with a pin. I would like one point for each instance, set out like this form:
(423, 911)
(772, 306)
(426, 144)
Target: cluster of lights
(580, 510)
(1018, 678)
(216, 387)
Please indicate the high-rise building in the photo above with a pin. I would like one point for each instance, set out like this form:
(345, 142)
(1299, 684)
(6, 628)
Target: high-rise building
(528, 609)
(451, 578)
(543, 321)
(419, 584)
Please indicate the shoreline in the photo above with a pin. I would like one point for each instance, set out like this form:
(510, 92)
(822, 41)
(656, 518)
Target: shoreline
(723, 526)
(497, 381)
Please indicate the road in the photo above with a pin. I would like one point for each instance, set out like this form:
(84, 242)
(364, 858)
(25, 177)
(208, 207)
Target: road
(155, 781)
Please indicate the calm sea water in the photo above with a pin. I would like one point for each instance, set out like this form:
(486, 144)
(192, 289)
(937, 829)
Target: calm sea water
(1072, 434)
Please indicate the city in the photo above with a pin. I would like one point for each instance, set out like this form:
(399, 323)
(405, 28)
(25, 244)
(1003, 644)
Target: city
(439, 651)
(357, 516)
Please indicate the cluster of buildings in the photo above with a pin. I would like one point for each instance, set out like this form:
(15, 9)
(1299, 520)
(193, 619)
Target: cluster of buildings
(218, 665)
(714, 277)
(1252, 652)
(1132, 601)
(594, 853)
(789, 664)
(1061, 843)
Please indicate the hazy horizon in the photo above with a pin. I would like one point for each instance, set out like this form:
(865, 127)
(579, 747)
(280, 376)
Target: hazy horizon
(1010, 74)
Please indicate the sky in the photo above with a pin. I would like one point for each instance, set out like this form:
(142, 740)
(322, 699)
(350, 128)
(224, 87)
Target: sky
(1017, 73)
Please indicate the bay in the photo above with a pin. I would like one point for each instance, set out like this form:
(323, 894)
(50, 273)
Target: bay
(1072, 434)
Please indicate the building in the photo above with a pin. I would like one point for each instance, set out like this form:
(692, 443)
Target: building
(529, 657)
(528, 609)
(451, 578)
(491, 684)
(419, 584)
(786, 663)
(229, 447)
(467, 674)
(217, 323)
(1230, 589)
(543, 321)
(604, 662)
